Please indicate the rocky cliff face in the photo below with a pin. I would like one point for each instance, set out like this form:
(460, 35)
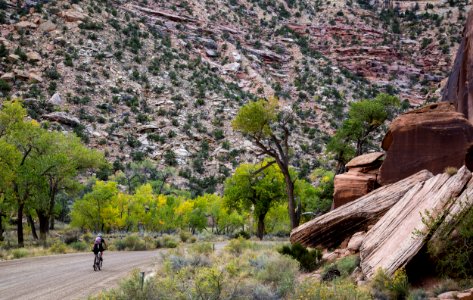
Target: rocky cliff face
(433, 138)
(458, 90)
(163, 79)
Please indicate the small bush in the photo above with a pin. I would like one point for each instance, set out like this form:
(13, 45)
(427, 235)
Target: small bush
(166, 241)
(119, 245)
(19, 253)
(202, 248)
(78, 246)
(341, 268)
(87, 237)
(451, 170)
(453, 252)
(4, 86)
(340, 290)
(445, 286)
(185, 236)
(58, 247)
(309, 260)
(71, 236)
(418, 294)
(384, 287)
(237, 246)
(280, 271)
(134, 243)
(242, 234)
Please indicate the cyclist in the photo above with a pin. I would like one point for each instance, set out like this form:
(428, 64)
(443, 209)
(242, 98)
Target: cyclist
(99, 245)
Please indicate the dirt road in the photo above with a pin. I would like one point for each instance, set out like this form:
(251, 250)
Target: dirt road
(69, 276)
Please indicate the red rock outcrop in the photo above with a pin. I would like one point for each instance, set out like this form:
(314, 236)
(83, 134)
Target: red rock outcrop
(433, 137)
(360, 179)
(459, 88)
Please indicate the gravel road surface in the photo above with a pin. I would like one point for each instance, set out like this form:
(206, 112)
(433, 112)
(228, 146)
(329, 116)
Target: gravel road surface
(69, 276)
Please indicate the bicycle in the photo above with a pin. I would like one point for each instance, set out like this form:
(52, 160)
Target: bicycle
(98, 261)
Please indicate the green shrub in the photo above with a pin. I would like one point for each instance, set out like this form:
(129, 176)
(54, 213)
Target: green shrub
(309, 259)
(19, 253)
(237, 246)
(4, 86)
(445, 286)
(202, 248)
(418, 294)
(58, 247)
(341, 268)
(119, 245)
(242, 234)
(281, 272)
(134, 243)
(385, 287)
(87, 237)
(185, 236)
(453, 253)
(338, 289)
(166, 241)
(78, 246)
(70, 236)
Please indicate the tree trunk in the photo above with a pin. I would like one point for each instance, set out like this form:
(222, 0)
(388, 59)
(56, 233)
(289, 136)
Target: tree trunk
(294, 212)
(43, 225)
(1, 227)
(31, 223)
(52, 202)
(51, 222)
(19, 228)
(260, 232)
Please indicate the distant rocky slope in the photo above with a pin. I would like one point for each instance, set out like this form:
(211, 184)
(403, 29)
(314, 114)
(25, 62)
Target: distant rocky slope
(163, 79)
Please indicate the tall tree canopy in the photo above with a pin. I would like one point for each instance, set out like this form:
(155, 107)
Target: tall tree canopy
(37, 165)
(269, 127)
(255, 187)
(365, 119)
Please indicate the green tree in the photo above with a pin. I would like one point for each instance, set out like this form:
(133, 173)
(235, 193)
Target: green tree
(365, 119)
(255, 187)
(96, 210)
(269, 127)
(20, 174)
(60, 158)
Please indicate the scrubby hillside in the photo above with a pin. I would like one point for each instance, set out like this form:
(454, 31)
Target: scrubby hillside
(163, 79)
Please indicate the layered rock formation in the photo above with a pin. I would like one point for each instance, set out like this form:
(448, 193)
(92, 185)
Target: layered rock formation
(433, 137)
(332, 228)
(402, 231)
(360, 179)
(459, 89)
(406, 215)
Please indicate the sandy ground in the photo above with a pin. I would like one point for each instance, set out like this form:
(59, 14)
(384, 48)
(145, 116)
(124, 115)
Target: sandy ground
(69, 276)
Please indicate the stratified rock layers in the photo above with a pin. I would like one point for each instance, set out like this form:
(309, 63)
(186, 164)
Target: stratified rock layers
(360, 179)
(432, 138)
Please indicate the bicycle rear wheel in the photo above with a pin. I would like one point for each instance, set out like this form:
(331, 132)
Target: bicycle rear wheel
(95, 263)
(99, 261)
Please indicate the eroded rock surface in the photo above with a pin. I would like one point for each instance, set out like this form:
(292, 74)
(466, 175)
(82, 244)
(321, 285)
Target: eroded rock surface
(360, 179)
(457, 90)
(433, 137)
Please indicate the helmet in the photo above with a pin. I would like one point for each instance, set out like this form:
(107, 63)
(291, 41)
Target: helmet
(99, 235)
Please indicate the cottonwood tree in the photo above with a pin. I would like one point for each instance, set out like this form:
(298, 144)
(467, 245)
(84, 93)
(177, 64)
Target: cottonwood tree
(269, 127)
(36, 165)
(257, 187)
(365, 119)
(60, 158)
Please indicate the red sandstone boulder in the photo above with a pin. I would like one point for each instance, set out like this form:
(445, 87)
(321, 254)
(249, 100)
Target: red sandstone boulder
(360, 179)
(433, 137)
